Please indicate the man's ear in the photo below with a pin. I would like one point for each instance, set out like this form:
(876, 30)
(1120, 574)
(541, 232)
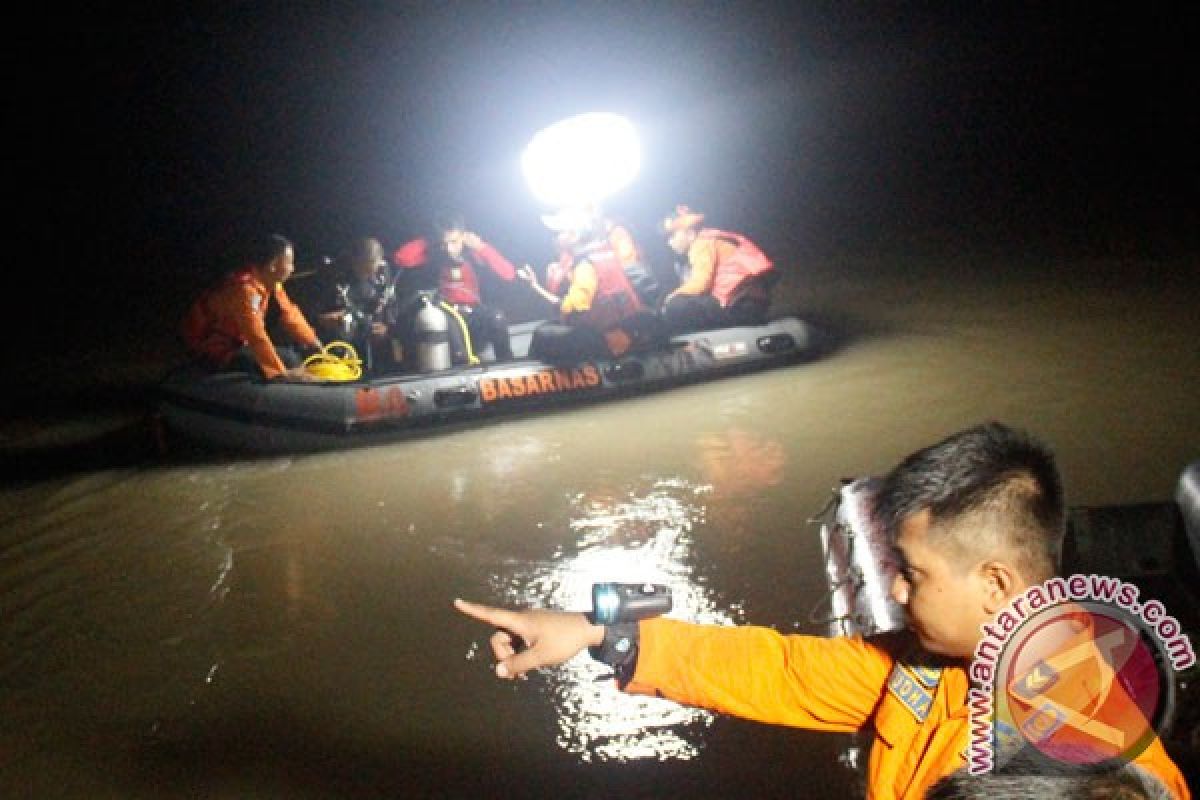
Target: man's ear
(1001, 583)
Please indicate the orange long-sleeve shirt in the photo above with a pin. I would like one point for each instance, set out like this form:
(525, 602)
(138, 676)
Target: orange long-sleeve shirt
(920, 722)
(232, 315)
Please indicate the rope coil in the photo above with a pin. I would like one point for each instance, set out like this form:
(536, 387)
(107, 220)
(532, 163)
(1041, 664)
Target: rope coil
(337, 361)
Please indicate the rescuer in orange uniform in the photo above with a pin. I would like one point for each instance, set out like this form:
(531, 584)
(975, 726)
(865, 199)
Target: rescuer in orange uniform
(975, 520)
(725, 279)
(226, 326)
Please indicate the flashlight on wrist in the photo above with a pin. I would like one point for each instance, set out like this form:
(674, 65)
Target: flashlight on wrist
(616, 603)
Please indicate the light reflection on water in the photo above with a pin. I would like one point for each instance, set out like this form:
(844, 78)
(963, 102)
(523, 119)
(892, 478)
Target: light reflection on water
(640, 538)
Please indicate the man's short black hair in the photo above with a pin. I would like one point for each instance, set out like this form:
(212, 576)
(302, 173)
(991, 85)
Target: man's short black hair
(265, 249)
(447, 221)
(362, 250)
(1048, 780)
(999, 479)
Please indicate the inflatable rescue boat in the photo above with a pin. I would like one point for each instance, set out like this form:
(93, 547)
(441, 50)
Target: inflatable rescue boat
(235, 411)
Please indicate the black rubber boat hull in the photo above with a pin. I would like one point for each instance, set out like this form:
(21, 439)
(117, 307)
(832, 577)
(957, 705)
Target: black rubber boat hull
(232, 411)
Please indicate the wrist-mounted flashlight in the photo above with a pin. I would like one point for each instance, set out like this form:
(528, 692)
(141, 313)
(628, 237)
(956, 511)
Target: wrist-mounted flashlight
(614, 603)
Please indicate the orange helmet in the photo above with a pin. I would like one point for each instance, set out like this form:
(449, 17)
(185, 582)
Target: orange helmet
(682, 219)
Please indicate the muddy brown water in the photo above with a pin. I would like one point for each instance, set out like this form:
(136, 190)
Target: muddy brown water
(282, 627)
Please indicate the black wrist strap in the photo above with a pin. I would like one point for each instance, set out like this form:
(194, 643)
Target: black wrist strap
(619, 650)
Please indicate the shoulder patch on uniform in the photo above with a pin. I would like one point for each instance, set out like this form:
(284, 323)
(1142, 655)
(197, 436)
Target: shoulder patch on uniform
(910, 692)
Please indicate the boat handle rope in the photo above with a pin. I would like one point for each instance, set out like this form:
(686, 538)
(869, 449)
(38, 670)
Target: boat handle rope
(337, 361)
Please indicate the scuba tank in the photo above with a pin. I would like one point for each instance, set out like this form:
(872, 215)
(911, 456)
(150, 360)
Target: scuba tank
(432, 337)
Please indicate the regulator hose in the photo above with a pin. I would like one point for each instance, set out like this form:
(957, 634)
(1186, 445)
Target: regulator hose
(472, 359)
(337, 361)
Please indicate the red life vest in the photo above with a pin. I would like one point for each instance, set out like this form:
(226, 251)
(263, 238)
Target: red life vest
(615, 300)
(732, 271)
(460, 289)
(463, 288)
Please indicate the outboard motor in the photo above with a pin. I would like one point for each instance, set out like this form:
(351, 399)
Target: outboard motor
(432, 336)
(858, 564)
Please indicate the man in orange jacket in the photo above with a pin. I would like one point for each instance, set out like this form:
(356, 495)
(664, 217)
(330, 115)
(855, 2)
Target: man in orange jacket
(975, 520)
(725, 279)
(227, 325)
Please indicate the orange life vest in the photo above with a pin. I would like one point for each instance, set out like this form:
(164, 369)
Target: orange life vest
(733, 270)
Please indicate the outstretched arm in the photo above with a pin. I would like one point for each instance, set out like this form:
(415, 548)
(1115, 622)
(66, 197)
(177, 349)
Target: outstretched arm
(534, 638)
(527, 274)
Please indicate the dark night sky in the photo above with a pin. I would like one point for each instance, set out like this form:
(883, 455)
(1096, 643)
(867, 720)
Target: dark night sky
(150, 138)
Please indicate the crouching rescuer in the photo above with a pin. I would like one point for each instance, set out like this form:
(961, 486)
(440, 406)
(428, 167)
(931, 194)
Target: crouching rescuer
(725, 279)
(226, 327)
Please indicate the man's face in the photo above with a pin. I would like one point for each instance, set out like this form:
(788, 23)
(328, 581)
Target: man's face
(944, 600)
(369, 265)
(452, 243)
(681, 240)
(283, 266)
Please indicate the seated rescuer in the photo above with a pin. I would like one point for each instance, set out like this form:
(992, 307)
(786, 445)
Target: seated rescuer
(975, 520)
(226, 326)
(639, 274)
(357, 305)
(461, 257)
(600, 313)
(725, 278)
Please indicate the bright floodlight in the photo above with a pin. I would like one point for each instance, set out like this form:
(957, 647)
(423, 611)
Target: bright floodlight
(581, 159)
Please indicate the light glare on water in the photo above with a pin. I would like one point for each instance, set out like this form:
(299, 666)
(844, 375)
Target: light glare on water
(637, 539)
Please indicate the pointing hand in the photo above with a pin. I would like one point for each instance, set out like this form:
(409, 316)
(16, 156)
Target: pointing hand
(534, 638)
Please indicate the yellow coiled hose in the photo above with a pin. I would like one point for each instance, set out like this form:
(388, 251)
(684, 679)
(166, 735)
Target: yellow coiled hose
(337, 361)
